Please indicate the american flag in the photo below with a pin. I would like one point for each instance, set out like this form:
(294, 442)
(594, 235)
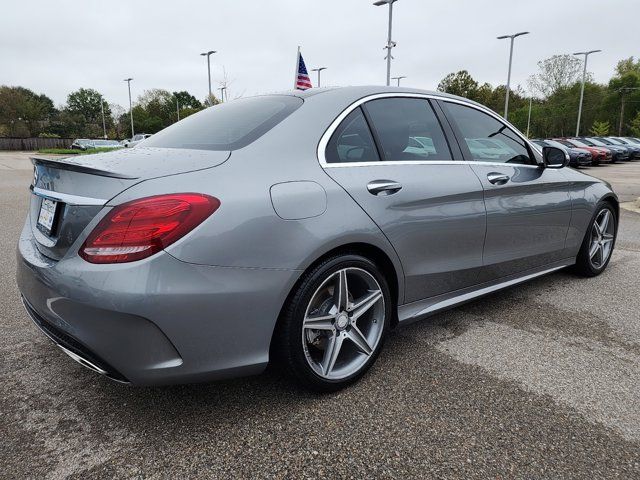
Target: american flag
(302, 79)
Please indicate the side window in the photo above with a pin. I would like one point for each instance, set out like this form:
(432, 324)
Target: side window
(488, 139)
(352, 141)
(408, 129)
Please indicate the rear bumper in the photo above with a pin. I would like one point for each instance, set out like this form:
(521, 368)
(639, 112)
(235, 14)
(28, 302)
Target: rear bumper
(156, 321)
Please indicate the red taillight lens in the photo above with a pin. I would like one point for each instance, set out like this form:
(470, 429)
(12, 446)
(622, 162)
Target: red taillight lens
(140, 228)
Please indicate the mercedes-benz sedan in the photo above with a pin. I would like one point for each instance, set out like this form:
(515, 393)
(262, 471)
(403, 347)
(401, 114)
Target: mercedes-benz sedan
(299, 228)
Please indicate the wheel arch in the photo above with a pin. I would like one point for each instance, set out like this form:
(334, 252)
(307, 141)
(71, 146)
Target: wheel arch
(378, 256)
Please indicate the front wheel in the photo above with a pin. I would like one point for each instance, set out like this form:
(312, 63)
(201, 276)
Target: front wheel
(334, 325)
(598, 242)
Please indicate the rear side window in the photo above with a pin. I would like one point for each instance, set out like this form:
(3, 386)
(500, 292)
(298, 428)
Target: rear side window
(488, 139)
(352, 141)
(227, 126)
(407, 129)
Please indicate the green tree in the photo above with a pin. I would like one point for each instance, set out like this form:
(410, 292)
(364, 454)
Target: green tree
(627, 65)
(460, 83)
(186, 100)
(600, 129)
(24, 113)
(634, 127)
(85, 112)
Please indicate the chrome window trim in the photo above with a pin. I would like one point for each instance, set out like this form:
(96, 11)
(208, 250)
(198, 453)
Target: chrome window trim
(326, 136)
(67, 198)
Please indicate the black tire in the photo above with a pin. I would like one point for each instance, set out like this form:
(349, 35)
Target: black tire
(288, 344)
(584, 266)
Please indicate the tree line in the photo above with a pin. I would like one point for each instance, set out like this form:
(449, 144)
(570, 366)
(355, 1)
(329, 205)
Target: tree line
(611, 108)
(608, 109)
(24, 113)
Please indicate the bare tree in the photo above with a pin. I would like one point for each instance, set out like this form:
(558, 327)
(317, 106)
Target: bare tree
(556, 73)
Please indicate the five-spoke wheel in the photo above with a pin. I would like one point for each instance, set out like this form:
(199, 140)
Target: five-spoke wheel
(598, 242)
(339, 315)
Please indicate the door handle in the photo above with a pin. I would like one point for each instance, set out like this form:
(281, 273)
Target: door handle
(383, 187)
(497, 178)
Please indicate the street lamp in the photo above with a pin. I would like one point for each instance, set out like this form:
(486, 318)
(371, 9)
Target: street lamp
(319, 69)
(506, 99)
(398, 79)
(390, 43)
(208, 54)
(128, 80)
(584, 75)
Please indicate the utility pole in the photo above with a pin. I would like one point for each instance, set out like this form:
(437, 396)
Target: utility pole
(222, 92)
(178, 108)
(128, 80)
(104, 127)
(390, 43)
(621, 124)
(584, 76)
(506, 99)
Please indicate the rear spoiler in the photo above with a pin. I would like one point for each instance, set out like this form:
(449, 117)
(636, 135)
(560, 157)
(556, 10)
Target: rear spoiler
(65, 164)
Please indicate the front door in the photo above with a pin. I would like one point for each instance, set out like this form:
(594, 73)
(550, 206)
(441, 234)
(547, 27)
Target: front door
(528, 206)
(392, 157)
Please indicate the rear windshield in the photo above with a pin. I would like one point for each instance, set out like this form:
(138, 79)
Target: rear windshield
(227, 126)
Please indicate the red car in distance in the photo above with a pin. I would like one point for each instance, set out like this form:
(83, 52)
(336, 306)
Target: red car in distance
(598, 155)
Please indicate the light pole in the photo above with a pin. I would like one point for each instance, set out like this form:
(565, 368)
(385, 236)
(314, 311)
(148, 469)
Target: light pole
(104, 127)
(222, 91)
(506, 99)
(398, 79)
(208, 54)
(529, 117)
(178, 108)
(319, 69)
(390, 43)
(584, 76)
(128, 80)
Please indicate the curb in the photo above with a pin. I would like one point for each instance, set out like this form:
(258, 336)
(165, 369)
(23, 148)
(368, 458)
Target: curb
(631, 206)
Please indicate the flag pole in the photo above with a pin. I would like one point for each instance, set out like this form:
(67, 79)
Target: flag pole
(295, 74)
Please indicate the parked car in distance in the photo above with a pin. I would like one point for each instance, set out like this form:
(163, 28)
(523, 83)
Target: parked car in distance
(625, 153)
(295, 228)
(619, 154)
(577, 157)
(598, 154)
(633, 147)
(106, 144)
(137, 138)
(87, 144)
(81, 144)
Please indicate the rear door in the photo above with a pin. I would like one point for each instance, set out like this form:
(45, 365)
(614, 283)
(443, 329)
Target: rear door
(528, 206)
(392, 156)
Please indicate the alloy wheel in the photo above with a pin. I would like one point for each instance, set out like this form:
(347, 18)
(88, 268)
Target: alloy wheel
(343, 323)
(602, 236)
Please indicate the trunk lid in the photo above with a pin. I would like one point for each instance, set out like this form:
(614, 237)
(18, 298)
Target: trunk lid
(81, 186)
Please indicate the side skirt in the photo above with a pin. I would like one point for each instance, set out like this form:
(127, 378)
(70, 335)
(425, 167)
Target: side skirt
(424, 308)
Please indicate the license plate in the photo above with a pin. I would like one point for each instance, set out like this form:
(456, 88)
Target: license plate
(47, 216)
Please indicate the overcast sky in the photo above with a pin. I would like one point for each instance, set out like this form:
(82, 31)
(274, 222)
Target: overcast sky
(54, 47)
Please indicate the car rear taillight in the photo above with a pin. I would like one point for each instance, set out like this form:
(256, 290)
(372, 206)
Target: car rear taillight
(140, 228)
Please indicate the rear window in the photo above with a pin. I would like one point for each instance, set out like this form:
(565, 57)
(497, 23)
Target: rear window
(227, 126)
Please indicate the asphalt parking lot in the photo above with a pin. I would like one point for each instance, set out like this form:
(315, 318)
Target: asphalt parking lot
(539, 381)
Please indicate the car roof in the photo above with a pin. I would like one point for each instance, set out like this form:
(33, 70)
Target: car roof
(365, 90)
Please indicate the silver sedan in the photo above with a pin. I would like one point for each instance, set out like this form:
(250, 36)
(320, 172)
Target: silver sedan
(300, 228)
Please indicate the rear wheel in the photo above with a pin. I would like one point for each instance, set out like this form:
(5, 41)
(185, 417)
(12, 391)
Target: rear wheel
(334, 325)
(598, 242)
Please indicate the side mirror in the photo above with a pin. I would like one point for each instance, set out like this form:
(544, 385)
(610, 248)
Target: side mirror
(555, 157)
